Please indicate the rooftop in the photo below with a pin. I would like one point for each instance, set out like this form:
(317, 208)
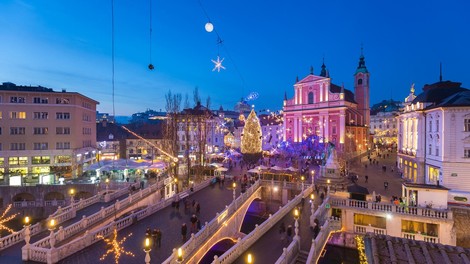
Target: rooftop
(388, 249)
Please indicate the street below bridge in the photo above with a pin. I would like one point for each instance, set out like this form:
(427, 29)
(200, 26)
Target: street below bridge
(12, 255)
(169, 220)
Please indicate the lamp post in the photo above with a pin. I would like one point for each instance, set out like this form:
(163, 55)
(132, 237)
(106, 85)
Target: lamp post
(107, 184)
(312, 200)
(147, 249)
(249, 258)
(27, 237)
(328, 190)
(302, 178)
(72, 194)
(296, 217)
(313, 176)
(51, 227)
(179, 255)
(234, 186)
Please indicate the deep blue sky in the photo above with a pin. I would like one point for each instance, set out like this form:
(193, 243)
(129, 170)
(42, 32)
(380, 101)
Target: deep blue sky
(67, 45)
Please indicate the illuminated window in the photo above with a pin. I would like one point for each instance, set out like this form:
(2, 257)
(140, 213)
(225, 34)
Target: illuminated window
(17, 115)
(433, 174)
(370, 220)
(41, 160)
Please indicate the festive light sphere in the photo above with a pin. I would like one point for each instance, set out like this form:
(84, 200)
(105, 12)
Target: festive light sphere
(209, 27)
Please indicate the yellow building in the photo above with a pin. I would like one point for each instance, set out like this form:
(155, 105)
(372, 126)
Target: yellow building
(44, 133)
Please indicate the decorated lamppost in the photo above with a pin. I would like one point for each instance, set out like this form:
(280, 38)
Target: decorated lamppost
(249, 259)
(302, 178)
(234, 187)
(147, 249)
(179, 255)
(27, 238)
(51, 226)
(296, 217)
(328, 190)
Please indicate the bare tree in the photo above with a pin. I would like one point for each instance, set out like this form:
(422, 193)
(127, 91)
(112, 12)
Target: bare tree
(196, 97)
(170, 141)
(208, 102)
(186, 102)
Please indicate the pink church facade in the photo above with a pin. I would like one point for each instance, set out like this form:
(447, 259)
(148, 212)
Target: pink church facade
(330, 112)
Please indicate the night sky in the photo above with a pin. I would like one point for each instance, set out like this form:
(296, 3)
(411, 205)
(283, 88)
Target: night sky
(266, 44)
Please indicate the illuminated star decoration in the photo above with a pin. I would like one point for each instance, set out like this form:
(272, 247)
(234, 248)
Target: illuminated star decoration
(116, 246)
(218, 64)
(4, 220)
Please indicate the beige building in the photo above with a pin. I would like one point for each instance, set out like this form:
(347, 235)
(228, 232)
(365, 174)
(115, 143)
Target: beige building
(44, 133)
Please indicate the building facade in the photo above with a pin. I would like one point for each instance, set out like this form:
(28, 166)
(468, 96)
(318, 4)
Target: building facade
(434, 136)
(330, 112)
(44, 134)
(383, 123)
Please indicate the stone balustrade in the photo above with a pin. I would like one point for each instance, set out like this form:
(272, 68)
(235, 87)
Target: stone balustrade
(362, 229)
(290, 253)
(330, 225)
(209, 229)
(36, 251)
(87, 222)
(385, 207)
(419, 236)
(242, 245)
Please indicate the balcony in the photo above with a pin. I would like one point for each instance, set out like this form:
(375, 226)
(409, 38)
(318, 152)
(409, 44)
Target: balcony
(409, 152)
(388, 207)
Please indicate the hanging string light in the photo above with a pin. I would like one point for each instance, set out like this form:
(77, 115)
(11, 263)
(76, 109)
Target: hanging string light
(151, 67)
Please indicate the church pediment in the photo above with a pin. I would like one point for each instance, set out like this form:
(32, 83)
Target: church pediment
(311, 78)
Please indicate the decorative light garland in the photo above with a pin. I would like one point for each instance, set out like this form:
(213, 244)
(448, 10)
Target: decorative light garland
(361, 249)
(4, 219)
(116, 246)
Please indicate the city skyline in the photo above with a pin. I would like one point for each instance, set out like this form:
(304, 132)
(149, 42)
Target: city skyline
(68, 46)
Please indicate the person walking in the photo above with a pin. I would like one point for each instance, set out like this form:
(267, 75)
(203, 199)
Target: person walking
(367, 178)
(193, 220)
(184, 231)
(159, 238)
(198, 208)
(154, 237)
(148, 232)
(282, 232)
(289, 234)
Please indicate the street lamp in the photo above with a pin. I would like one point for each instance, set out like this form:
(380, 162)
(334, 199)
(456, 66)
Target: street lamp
(249, 259)
(147, 249)
(296, 217)
(72, 194)
(313, 175)
(312, 200)
(234, 186)
(328, 182)
(27, 230)
(179, 255)
(51, 226)
(107, 184)
(302, 178)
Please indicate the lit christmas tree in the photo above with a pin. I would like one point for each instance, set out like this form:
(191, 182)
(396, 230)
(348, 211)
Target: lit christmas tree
(251, 139)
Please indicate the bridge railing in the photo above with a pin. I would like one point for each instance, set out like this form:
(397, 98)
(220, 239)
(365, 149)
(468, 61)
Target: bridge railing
(198, 239)
(242, 245)
(61, 215)
(290, 253)
(385, 207)
(330, 225)
(45, 254)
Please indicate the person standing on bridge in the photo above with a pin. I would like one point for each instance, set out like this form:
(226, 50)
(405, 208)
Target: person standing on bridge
(193, 220)
(159, 238)
(154, 237)
(184, 231)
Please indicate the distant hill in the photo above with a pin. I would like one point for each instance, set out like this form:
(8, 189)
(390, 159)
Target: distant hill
(122, 119)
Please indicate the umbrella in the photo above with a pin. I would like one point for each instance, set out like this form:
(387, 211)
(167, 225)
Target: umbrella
(277, 168)
(262, 167)
(222, 169)
(292, 169)
(254, 171)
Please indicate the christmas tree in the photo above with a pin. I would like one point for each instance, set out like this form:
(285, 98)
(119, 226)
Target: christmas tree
(251, 139)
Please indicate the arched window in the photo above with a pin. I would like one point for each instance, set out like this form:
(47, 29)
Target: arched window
(359, 81)
(310, 98)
